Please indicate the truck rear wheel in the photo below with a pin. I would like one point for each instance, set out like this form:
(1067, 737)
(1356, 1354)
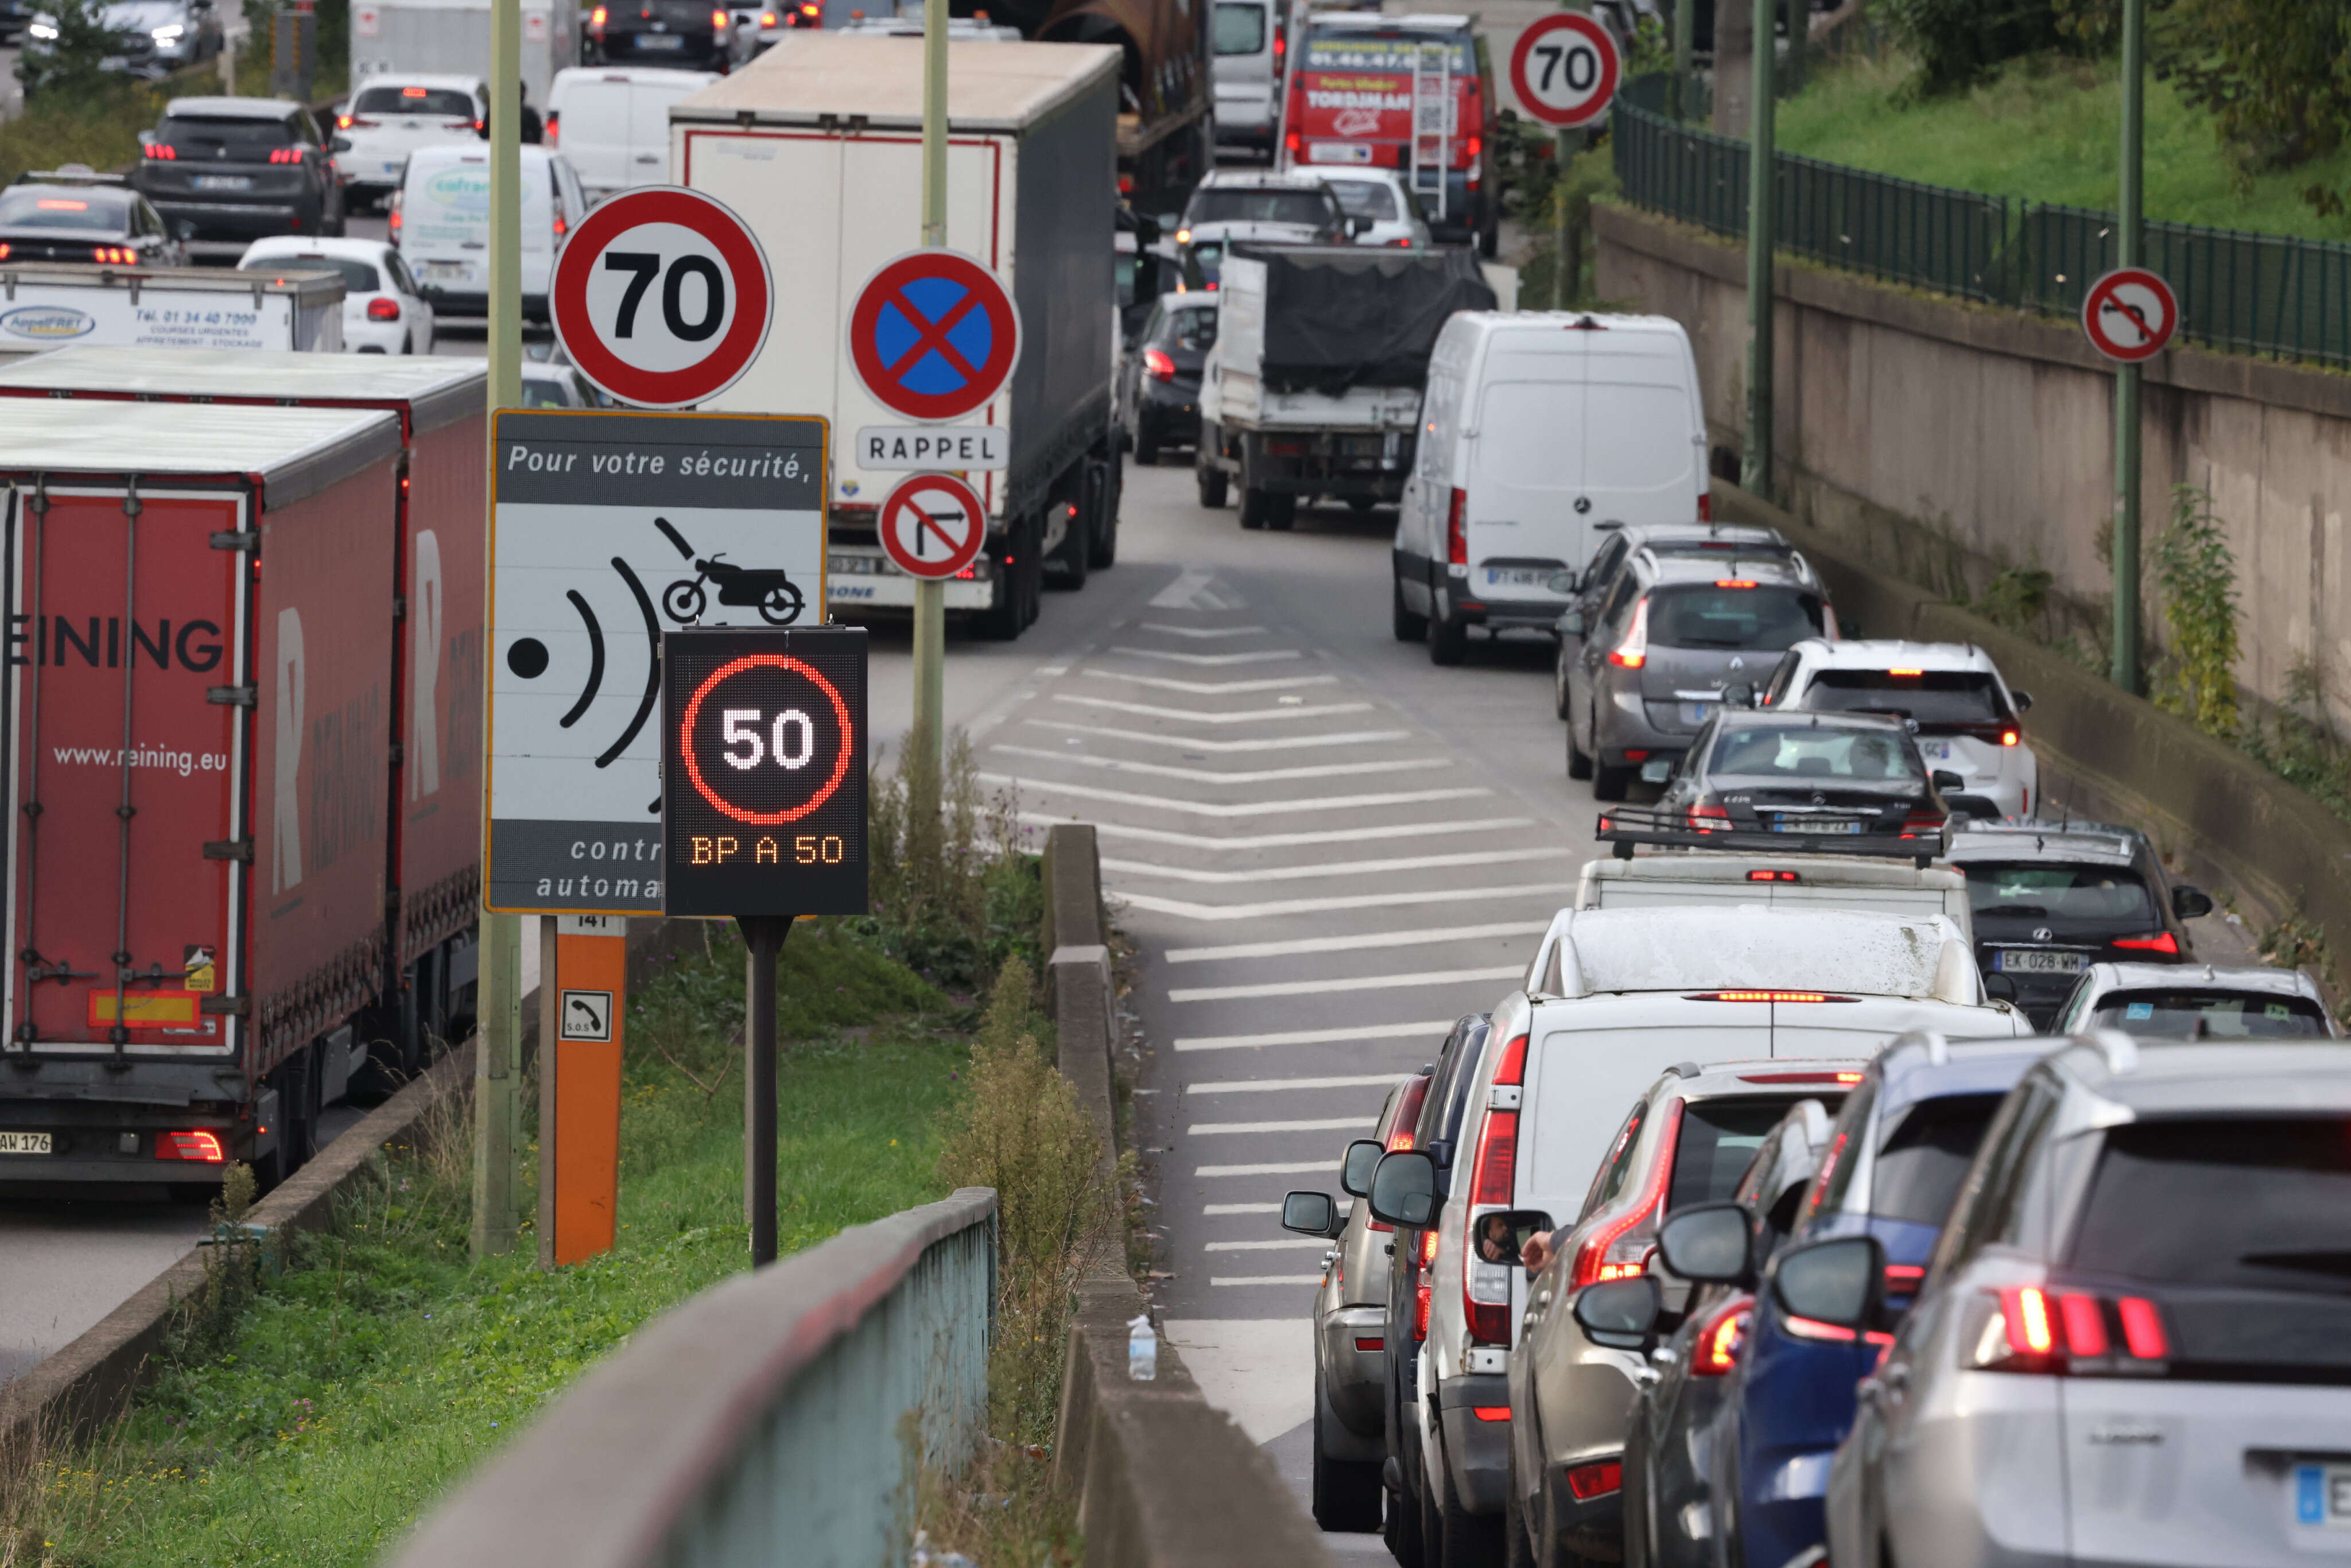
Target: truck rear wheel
(1280, 513)
(1074, 556)
(1212, 484)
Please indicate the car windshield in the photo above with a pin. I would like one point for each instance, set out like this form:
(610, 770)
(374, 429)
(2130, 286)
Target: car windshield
(1927, 1155)
(1194, 330)
(1372, 199)
(1765, 619)
(1202, 265)
(1276, 205)
(1937, 699)
(359, 276)
(2253, 1202)
(1795, 751)
(47, 207)
(2222, 1015)
(443, 101)
(1241, 29)
(231, 138)
(1718, 1140)
(2041, 891)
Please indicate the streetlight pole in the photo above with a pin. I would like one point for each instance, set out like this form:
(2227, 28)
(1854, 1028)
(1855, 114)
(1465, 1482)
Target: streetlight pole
(931, 595)
(2130, 250)
(1762, 215)
(1677, 89)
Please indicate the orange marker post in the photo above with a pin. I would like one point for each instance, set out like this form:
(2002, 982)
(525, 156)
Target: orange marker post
(585, 998)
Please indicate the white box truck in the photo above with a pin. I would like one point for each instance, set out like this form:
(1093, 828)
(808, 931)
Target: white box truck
(45, 306)
(453, 37)
(818, 144)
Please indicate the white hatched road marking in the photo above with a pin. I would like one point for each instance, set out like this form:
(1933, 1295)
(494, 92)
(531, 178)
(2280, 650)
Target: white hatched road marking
(1195, 716)
(1283, 1168)
(1435, 1030)
(1284, 1244)
(1195, 588)
(1202, 632)
(1265, 1279)
(1211, 776)
(1311, 1124)
(1359, 942)
(1288, 841)
(1183, 911)
(1237, 808)
(1326, 987)
(1194, 743)
(1255, 656)
(1213, 1209)
(1213, 688)
(1277, 1086)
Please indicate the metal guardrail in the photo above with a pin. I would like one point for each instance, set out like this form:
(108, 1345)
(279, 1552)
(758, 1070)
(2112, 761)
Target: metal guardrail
(765, 1421)
(2240, 291)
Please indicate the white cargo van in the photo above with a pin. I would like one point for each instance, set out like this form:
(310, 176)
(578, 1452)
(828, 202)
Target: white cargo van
(1247, 64)
(1538, 429)
(612, 123)
(441, 222)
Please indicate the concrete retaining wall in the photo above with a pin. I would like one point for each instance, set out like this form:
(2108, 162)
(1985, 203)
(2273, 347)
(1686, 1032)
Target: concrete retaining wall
(1994, 429)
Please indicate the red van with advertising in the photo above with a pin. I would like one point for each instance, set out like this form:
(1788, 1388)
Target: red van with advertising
(1355, 81)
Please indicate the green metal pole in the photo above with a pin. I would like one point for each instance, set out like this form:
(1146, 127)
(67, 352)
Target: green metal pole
(1762, 217)
(497, 1051)
(1566, 254)
(1677, 89)
(2130, 250)
(931, 595)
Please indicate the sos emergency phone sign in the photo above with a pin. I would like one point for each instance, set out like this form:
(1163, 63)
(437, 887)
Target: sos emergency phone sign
(763, 767)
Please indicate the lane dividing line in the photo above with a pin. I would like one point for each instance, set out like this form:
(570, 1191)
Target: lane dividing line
(1285, 1167)
(1183, 911)
(1363, 983)
(1212, 688)
(1265, 1279)
(1195, 743)
(1255, 656)
(1212, 775)
(1277, 1086)
(1359, 943)
(1195, 716)
(1313, 1125)
(1211, 1210)
(1286, 1244)
(1286, 841)
(1202, 632)
(1433, 1032)
(1235, 809)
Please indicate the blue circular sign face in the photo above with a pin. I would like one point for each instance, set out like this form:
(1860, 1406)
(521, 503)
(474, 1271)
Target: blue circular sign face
(933, 335)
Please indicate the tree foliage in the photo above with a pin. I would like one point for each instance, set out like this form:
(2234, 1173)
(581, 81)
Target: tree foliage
(1958, 42)
(71, 65)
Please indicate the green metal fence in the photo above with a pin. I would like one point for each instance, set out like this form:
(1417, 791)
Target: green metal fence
(2243, 292)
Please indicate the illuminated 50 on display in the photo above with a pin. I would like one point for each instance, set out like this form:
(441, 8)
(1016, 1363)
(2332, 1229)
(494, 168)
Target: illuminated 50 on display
(764, 770)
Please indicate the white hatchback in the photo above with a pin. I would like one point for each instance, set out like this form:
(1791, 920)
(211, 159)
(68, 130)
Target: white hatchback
(391, 116)
(383, 311)
(1967, 719)
(1380, 196)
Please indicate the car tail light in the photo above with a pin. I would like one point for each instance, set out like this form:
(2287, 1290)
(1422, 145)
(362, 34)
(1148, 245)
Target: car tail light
(285, 155)
(1620, 1247)
(1404, 244)
(111, 254)
(1706, 507)
(596, 20)
(2010, 737)
(1362, 1342)
(164, 150)
(1922, 824)
(2143, 1329)
(1420, 1310)
(1774, 876)
(1291, 141)
(1781, 997)
(1847, 1079)
(1903, 1279)
(1734, 582)
(342, 122)
(392, 224)
(551, 127)
(1280, 52)
(3, 250)
(1833, 1333)
(1401, 1137)
(1717, 1348)
(1634, 651)
(481, 126)
(1457, 528)
(2028, 1328)
(1493, 1181)
(1707, 812)
(718, 21)
(1919, 672)
(204, 1147)
(2161, 942)
(383, 307)
(1158, 364)
(1588, 1481)
(1491, 1412)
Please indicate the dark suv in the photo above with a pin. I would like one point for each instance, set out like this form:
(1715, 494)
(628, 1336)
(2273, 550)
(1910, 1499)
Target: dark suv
(691, 34)
(229, 171)
(75, 215)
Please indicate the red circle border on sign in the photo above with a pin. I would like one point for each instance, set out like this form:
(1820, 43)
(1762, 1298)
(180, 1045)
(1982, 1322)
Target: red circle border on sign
(1613, 66)
(865, 316)
(694, 711)
(2103, 288)
(963, 557)
(747, 266)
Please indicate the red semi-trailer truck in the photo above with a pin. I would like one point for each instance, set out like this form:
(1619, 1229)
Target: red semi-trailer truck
(197, 724)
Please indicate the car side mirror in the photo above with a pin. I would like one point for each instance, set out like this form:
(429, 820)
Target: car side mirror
(1312, 1214)
(2000, 987)
(1739, 694)
(1709, 1244)
(1572, 622)
(187, 229)
(1840, 1282)
(1621, 1314)
(1355, 1170)
(1358, 226)
(2022, 699)
(2188, 902)
(1403, 1189)
(1947, 779)
(340, 144)
(1501, 1235)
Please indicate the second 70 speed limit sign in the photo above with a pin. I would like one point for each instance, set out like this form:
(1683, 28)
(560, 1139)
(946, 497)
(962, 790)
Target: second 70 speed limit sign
(661, 297)
(1564, 70)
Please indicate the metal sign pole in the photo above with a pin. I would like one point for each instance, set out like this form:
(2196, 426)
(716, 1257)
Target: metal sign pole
(764, 934)
(930, 597)
(1678, 86)
(2130, 248)
(1762, 213)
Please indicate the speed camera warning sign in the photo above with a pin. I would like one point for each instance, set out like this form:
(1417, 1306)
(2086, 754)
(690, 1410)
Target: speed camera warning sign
(764, 771)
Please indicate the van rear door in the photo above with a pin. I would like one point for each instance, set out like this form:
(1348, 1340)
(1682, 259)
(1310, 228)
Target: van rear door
(599, 131)
(1644, 446)
(1527, 461)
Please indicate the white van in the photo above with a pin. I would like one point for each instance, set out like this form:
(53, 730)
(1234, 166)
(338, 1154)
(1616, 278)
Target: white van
(441, 222)
(612, 123)
(1248, 63)
(1539, 430)
(1678, 878)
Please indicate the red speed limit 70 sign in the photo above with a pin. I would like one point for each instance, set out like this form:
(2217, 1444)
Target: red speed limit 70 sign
(1564, 70)
(661, 297)
(763, 793)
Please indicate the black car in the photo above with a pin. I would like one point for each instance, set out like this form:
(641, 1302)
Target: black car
(1824, 776)
(2050, 899)
(1159, 376)
(229, 171)
(75, 215)
(690, 34)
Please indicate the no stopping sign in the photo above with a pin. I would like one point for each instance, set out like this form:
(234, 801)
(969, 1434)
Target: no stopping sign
(661, 297)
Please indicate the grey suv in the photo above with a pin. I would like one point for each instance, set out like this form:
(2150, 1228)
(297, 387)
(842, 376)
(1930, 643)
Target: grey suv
(1644, 660)
(2134, 1336)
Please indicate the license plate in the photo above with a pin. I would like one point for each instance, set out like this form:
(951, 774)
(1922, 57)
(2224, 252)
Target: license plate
(1696, 713)
(446, 271)
(24, 1142)
(1340, 153)
(223, 182)
(1517, 576)
(2321, 1495)
(659, 41)
(1938, 750)
(2037, 961)
(1817, 825)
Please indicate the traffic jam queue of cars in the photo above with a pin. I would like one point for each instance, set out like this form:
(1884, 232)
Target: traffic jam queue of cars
(1863, 1172)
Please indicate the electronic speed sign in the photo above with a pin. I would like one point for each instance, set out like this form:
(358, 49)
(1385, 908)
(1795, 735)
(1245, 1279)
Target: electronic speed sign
(661, 297)
(1566, 69)
(763, 768)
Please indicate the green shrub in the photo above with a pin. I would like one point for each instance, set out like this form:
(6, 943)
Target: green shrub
(2196, 574)
(1957, 42)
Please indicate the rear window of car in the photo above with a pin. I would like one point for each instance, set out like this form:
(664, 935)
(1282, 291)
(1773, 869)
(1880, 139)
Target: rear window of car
(2259, 1203)
(1925, 1157)
(1764, 619)
(1226, 204)
(236, 139)
(1718, 1140)
(1372, 199)
(1241, 29)
(2058, 891)
(37, 208)
(359, 276)
(1203, 264)
(1796, 751)
(1193, 331)
(441, 100)
(1934, 698)
(2222, 1015)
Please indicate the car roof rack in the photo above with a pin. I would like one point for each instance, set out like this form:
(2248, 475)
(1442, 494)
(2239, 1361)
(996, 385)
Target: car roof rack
(1626, 826)
(72, 174)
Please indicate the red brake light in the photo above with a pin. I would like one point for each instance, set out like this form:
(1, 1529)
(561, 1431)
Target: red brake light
(1906, 672)
(1719, 1337)
(1711, 811)
(201, 1147)
(1372, 1343)
(1512, 1069)
(1634, 651)
(1491, 1412)
(1158, 364)
(1922, 824)
(596, 19)
(2143, 1329)
(2022, 1332)
(160, 149)
(2085, 1323)
(1486, 1287)
(1773, 876)
(1495, 1171)
(1734, 582)
(1781, 997)
(1619, 1248)
(1420, 1310)
(1846, 1078)
(2009, 738)
(1457, 528)
(718, 21)
(1588, 1481)
(383, 307)
(1706, 507)
(2161, 942)
(412, 93)
(3, 250)
(2025, 1310)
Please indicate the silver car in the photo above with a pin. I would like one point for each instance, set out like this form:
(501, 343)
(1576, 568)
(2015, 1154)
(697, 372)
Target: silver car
(2178, 998)
(2133, 1342)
